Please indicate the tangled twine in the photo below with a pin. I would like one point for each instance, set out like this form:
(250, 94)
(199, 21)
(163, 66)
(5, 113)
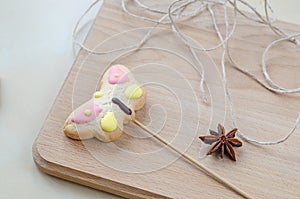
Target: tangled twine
(176, 13)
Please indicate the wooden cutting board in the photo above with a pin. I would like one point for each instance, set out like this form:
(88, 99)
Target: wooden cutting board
(136, 166)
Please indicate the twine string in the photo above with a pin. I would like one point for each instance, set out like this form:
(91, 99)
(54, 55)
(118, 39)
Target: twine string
(176, 13)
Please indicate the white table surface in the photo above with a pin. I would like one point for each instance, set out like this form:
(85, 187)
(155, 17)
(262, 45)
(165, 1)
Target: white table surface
(35, 57)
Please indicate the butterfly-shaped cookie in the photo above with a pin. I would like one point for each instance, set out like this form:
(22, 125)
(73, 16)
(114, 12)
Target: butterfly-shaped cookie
(99, 117)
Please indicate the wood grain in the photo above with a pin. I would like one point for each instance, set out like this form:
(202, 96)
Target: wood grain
(176, 112)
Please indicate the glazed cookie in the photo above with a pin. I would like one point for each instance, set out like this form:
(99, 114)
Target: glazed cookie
(100, 117)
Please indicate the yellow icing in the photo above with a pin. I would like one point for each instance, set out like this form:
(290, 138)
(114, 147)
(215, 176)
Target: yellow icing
(108, 122)
(133, 92)
(87, 112)
(117, 75)
(98, 94)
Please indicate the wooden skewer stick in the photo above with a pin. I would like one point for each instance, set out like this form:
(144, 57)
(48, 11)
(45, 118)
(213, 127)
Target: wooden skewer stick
(185, 156)
(194, 162)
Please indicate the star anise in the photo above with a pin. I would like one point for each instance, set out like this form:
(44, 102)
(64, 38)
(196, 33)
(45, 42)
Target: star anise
(221, 142)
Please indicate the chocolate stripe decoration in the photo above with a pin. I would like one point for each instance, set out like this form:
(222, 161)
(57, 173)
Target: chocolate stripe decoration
(122, 106)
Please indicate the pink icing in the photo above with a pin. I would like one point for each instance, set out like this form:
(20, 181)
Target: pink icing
(81, 118)
(122, 78)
